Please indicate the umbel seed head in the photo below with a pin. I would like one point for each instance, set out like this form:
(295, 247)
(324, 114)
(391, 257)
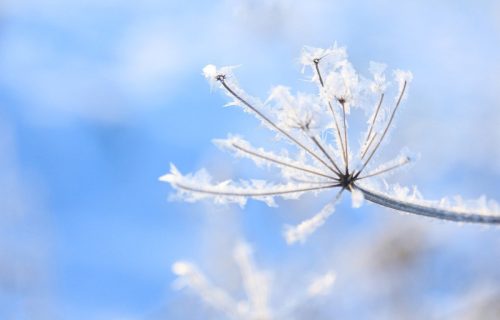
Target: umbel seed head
(320, 156)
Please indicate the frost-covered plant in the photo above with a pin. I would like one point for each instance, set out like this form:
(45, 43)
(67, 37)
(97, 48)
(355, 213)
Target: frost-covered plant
(257, 286)
(317, 126)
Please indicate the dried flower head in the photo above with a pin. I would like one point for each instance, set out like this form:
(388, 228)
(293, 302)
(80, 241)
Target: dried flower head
(319, 163)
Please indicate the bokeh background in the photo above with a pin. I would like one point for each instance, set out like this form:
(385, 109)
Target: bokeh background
(98, 97)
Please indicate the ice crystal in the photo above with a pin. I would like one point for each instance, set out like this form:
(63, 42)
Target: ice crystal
(324, 159)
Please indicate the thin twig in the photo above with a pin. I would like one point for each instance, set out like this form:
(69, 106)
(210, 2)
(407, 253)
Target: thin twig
(318, 144)
(376, 173)
(250, 194)
(372, 124)
(311, 182)
(385, 130)
(368, 146)
(342, 102)
(337, 127)
(255, 154)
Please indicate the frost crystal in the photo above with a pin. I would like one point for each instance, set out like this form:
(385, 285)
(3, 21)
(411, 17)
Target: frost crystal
(322, 158)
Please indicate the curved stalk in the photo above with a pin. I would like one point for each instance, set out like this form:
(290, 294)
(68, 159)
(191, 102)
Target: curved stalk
(438, 213)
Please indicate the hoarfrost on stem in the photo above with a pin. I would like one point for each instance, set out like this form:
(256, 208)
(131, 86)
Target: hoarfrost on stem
(319, 155)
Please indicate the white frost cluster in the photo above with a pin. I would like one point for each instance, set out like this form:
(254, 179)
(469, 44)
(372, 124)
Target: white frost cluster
(199, 186)
(318, 155)
(335, 55)
(379, 83)
(481, 205)
(402, 76)
(303, 230)
(211, 72)
(256, 284)
(295, 111)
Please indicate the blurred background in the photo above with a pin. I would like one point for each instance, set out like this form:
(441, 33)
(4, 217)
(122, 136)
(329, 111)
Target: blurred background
(98, 97)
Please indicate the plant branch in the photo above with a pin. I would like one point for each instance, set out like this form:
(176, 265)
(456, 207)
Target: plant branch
(427, 211)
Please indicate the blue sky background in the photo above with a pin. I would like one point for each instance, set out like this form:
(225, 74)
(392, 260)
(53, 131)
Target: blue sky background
(98, 97)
